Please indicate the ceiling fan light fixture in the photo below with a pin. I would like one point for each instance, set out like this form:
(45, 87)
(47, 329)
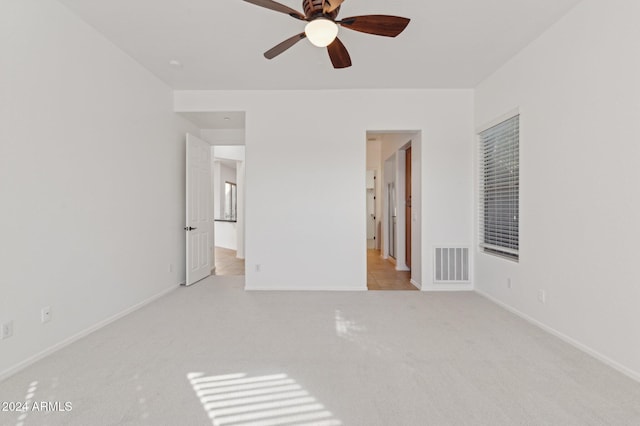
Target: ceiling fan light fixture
(321, 32)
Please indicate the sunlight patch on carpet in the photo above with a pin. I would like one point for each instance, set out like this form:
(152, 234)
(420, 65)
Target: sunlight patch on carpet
(269, 400)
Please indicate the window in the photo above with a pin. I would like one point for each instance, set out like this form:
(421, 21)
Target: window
(230, 201)
(500, 189)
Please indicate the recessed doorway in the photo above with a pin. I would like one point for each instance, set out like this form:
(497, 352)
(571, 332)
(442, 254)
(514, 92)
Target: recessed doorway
(224, 131)
(393, 262)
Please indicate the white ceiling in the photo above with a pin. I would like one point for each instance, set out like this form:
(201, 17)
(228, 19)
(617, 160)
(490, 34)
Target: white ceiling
(448, 44)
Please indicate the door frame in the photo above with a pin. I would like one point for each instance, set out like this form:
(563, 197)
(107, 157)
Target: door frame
(403, 139)
(198, 226)
(407, 207)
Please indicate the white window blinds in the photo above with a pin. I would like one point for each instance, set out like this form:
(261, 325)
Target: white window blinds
(500, 188)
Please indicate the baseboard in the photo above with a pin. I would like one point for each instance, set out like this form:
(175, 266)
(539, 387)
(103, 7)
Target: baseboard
(416, 284)
(359, 288)
(69, 340)
(448, 287)
(584, 348)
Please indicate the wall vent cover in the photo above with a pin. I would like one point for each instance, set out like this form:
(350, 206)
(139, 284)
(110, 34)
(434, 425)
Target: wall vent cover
(451, 264)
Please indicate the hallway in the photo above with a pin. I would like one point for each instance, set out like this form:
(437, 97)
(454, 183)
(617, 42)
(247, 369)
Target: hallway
(382, 275)
(227, 263)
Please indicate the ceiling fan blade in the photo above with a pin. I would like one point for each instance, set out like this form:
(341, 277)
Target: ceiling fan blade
(382, 25)
(270, 4)
(329, 6)
(338, 53)
(276, 50)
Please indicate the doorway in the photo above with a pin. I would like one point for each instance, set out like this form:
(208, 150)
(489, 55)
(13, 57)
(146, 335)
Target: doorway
(394, 263)
(224, 132)
(228, 189)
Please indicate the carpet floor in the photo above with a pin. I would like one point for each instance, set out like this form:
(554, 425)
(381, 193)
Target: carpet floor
(215, 354)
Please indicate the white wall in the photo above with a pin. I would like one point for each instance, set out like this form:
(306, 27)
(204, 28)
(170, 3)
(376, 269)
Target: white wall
(240, 174)
(373, 155)
(216, 178)
(578, 91)
(374, 162)
(223, 136)
(392, 143)
(416, 217)
(226, 235)
(304, 224)
(91, 179)
(388, 177)
(233, 152)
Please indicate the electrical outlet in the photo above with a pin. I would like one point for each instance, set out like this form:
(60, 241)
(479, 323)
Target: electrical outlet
(542, 296)
(258, 267)
(171, 267)
(45, 314)
(7, 330)
(508, 282)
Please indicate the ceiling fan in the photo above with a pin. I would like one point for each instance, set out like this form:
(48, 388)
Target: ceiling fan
(322, 27)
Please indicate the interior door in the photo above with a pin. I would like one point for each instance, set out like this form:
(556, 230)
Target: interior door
(408, 206)
(199, 229)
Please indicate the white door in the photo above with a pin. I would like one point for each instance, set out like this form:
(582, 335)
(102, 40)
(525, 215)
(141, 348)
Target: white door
(199, 219)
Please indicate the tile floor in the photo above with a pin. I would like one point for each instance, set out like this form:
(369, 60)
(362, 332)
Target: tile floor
(382, 274)
(227, 263)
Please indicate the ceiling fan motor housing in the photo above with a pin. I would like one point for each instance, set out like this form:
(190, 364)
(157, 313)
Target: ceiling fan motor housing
(313, 9)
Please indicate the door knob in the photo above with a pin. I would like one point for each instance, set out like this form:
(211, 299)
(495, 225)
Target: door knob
(189, 228)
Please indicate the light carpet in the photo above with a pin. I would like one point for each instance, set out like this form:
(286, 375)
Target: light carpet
(214, 354)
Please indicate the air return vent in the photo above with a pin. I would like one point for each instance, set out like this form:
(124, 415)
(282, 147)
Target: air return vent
(451, 264)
